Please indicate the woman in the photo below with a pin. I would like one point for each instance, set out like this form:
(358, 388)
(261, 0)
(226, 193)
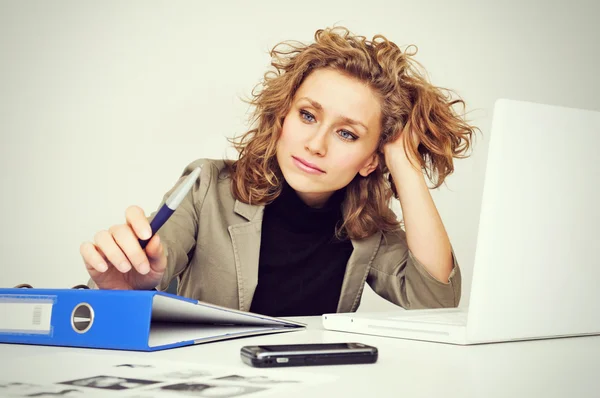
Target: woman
(301, 220)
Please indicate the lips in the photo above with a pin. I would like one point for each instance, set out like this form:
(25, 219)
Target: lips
(308, 164)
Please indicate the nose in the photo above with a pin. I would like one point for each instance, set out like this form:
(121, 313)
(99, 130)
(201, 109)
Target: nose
(317, 143)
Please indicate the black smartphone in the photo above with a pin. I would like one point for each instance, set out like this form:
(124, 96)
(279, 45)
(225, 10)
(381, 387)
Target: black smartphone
(265, 356)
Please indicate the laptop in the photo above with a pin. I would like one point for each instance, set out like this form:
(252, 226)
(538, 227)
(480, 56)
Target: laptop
(536, 271)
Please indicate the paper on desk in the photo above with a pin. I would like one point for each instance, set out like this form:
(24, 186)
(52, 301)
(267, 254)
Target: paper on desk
(75, 375)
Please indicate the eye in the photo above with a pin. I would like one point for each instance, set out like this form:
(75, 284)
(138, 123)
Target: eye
(346, 135)
(307, 116)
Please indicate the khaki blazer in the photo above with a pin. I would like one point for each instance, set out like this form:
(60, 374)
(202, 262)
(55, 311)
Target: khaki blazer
(212, 242)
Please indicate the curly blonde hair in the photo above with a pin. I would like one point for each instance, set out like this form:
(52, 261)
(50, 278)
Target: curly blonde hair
(408, 103)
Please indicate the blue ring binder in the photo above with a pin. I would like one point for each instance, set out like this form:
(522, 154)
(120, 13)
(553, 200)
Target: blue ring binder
(136, 320)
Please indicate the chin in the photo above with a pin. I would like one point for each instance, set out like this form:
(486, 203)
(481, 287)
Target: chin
(301, 183)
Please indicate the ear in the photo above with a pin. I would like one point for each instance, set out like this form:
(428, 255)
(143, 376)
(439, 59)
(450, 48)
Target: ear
(370, 165)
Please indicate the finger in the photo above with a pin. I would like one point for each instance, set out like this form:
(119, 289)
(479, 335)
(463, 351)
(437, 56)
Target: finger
(156, 254)
(106, 244)
(139, 223)
(92, 259)
(128, 242)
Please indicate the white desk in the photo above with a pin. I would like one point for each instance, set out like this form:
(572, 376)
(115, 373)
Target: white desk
(567, 367)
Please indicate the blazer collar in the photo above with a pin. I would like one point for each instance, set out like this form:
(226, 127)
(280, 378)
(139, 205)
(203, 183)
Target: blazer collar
(246, 210)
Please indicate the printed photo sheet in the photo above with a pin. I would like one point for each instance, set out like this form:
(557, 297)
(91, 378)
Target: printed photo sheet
(90, 375)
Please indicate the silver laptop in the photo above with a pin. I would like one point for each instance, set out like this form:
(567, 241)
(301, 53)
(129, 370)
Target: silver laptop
(537, 263)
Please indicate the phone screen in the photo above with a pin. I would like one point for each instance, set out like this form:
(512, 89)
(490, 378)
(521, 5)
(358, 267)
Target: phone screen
(306, 347)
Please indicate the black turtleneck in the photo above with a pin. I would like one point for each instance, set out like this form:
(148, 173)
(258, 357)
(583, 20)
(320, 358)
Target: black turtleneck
(302, 263)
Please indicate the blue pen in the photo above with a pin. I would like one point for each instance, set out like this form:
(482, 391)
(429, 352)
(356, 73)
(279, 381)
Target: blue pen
(171, 204)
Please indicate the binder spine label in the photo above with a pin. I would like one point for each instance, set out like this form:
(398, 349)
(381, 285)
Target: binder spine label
(26, 315)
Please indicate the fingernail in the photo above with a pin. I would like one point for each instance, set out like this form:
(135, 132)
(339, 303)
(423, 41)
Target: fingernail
(102, 267)
(147, 234)
(144, 268)
(125, 267)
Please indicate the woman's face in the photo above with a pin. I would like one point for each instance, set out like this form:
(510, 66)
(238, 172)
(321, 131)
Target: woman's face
(329, 135)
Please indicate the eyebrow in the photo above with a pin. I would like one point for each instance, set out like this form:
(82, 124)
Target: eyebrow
(346, 119)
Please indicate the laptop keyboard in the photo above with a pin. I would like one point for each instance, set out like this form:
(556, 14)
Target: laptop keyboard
(452, 317)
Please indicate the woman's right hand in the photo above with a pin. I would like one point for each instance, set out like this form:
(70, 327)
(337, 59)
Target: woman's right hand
(115, 260)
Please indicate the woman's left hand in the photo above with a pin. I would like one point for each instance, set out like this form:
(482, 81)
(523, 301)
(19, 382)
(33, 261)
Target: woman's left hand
(398, 154)
(425, 233)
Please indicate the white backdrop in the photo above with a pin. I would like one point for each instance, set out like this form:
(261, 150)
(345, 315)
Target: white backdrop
(103, 103)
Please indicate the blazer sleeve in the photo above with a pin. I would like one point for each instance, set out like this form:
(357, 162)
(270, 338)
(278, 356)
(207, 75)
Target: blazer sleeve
(398, 276)
(178, 235)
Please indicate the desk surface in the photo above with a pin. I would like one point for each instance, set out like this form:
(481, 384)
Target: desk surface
(567, 367)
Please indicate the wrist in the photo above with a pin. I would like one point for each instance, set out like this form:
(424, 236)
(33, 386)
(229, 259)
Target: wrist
(402, 167)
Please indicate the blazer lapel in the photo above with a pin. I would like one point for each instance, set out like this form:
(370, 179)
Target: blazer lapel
(357, 271)
(245, 239)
